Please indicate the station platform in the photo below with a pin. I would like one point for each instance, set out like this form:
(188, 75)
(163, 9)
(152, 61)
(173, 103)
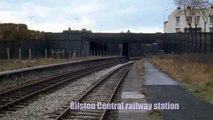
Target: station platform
(131, 94)
(8, 72)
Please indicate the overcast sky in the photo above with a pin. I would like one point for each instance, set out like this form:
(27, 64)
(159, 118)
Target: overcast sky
(96, 15)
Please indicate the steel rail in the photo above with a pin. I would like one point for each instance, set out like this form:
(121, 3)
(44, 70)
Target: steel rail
(113, 94)
(81, 73)
(63, 114)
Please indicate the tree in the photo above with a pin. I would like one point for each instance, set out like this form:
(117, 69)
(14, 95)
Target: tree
(205, 13)
(194, 8)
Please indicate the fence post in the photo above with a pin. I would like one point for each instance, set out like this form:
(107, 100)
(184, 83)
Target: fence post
(8, 54)
(45, 53)
(52, 52)
(19, 54)
(30, 54)
(63, 54)
(74, 54)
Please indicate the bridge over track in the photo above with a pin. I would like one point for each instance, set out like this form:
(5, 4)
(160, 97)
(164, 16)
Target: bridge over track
(122, 37)
(88, 43)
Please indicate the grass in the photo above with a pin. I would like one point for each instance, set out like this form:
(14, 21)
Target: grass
(146, 91)
(17, 64)
(194, 71)
(140, 72)
(10, 84)
(154, 115)
(140, 69)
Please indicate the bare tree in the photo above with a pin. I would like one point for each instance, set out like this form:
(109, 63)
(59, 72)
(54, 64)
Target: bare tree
(194, 8)
(205, 13)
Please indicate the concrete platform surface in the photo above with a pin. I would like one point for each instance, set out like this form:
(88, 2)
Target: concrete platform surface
(131, 94)
(49, 65)
(166, 90)
(154, 76)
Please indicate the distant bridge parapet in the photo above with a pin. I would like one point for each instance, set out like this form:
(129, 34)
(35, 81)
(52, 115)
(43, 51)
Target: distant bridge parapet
(122, 37)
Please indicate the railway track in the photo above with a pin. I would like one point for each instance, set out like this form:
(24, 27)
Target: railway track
(102, 91)
(18, 98)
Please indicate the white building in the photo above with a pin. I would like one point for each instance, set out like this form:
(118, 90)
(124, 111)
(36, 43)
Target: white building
(177, 22)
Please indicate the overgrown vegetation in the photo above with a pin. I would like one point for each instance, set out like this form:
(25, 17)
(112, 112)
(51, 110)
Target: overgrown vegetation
(16, 64)
(140, 68)
(154, 115)
(146, 91)
(140, 72)
(194, 71)
(14, 83)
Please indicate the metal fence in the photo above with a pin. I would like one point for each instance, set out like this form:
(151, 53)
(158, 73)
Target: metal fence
(196, 42)
(168, 42)
(32, 49)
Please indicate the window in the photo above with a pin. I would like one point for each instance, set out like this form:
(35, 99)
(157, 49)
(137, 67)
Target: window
(211, 20)
(178, 30)
(186, 30)
(211, 29)
(198, 20)
(192, 30)
(178, 21)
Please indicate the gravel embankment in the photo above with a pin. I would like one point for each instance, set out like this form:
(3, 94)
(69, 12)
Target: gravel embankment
(47, 104)
(17, 81)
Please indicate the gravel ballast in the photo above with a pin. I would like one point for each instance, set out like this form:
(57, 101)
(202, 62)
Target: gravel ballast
(47, 104)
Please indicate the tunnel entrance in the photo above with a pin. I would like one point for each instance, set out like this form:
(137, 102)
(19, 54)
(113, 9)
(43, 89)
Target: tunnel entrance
(125, 49)
(97, 49)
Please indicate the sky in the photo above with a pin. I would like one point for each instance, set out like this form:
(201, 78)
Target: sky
(97, 15)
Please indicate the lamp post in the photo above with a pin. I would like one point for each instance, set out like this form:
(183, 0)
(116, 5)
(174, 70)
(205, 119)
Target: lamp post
(31, 21)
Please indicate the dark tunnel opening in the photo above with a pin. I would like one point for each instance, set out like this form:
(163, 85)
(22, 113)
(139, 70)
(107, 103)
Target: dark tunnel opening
(125, 49)
(97, 49)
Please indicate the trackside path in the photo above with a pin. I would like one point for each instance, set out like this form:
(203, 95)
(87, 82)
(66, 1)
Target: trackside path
(166, 90)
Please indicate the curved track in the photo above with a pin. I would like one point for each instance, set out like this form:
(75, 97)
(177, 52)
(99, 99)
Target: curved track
(102, 91)
(10, 101)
